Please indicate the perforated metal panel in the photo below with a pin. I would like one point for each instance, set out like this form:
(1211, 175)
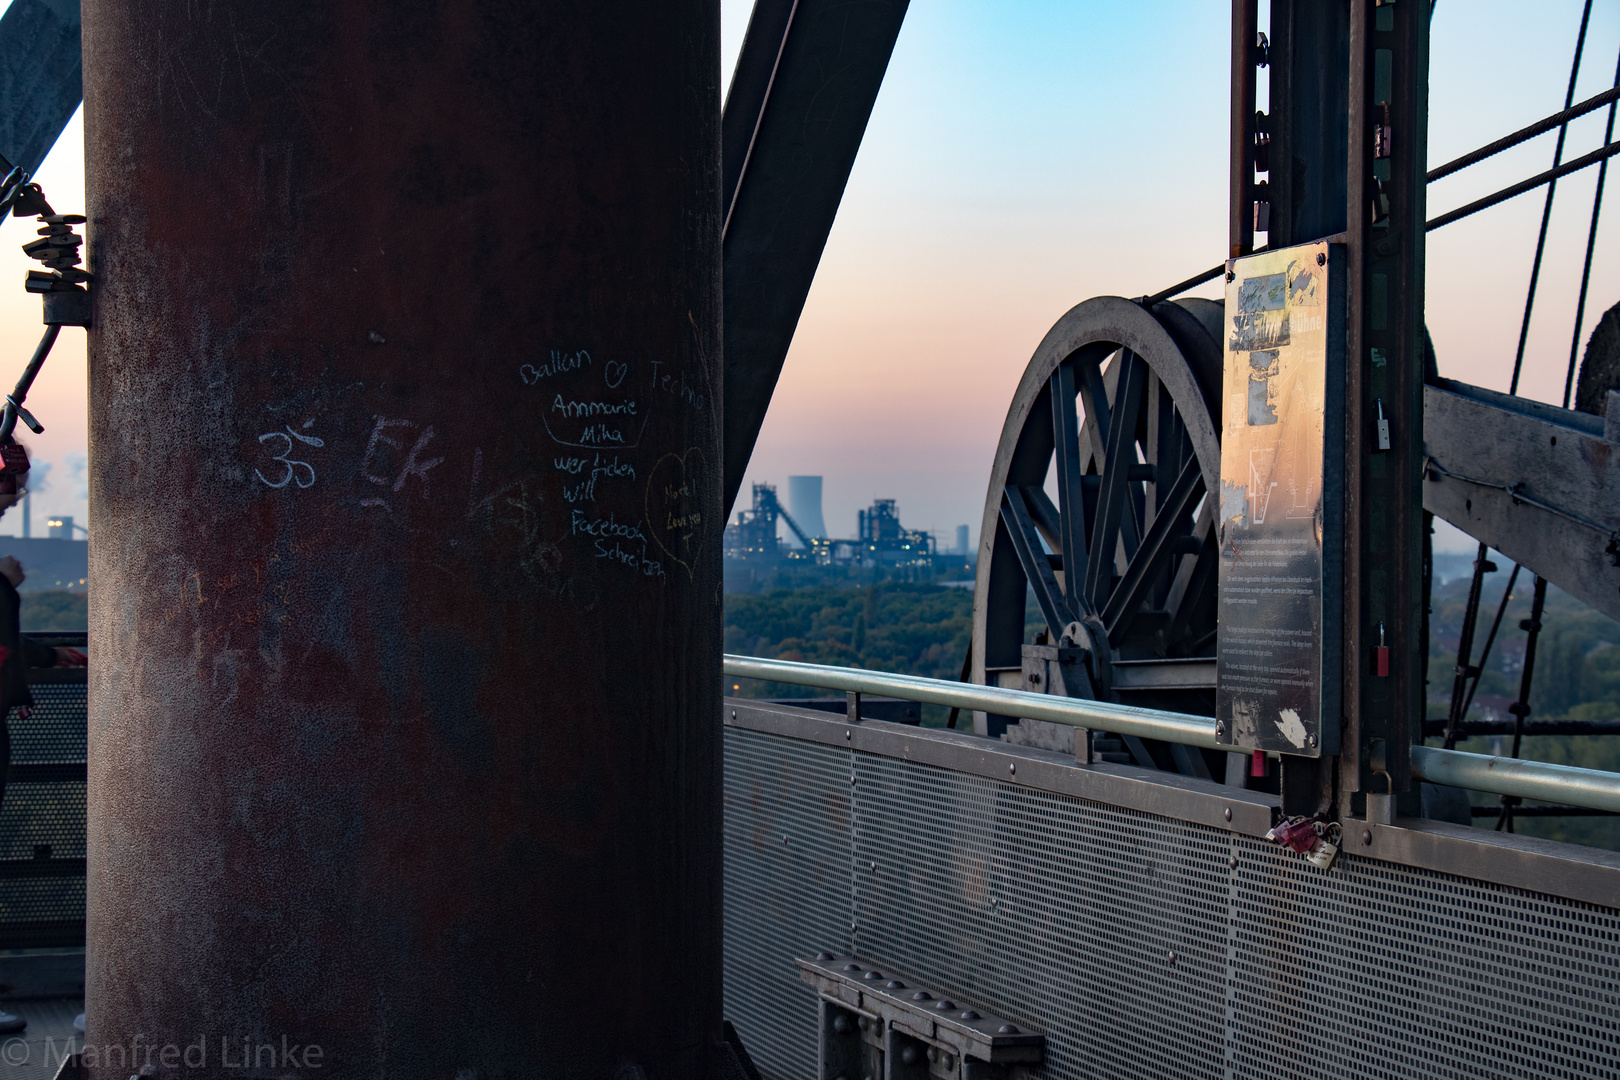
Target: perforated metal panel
(42, 819)
(1067, 913)
(787, 888)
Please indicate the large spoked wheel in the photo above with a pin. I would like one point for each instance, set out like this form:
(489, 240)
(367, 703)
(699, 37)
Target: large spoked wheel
(1098, 504)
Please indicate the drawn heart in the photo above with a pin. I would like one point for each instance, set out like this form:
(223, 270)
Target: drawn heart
(614, 373)
(674, 509)
(529, 374)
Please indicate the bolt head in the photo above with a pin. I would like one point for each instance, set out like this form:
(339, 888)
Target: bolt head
(922, 995)
(1232, 862)
(895, 984)
(1009, 1029)
(909, 1055)
(1366, 836)
(1311, 740)
(1012, 767)
(852, 967)
(1321, 259)
(734, 714)
(944, 1006)
(1172, 958)
(840, 1024)
(969, 1014)
(1228, 813)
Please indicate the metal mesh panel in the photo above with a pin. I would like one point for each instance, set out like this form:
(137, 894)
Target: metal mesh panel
(56, 730)
(787, 889)
(42, 821)
(1057, 912)
(1066, 913)
(1377, 970)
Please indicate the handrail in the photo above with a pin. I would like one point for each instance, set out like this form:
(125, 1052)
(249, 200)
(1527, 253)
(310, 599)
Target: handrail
(1590, 788)
(1075, 712)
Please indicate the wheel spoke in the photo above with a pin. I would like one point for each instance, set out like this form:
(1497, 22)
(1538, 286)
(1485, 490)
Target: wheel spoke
(1071, 495)
(1037, 571)
(1112, 501)
(1155, 551)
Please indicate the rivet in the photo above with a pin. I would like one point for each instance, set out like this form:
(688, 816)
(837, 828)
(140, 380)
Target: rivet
(1012, 767)
(947, 1061)
(824, 956)
(1008, 1029)
(848, 735)
(945, 1006)
(873, 975)
(933, 1053)
(784, 838)
(909, 1055)
(1172, 958)
(865, 1024)
(1232, 862)
(1321, 259)
(1230, 276)
(895, 984)
(1228, 813)
(922, 995)
(841, 1023)
(1311, 740)
(852, 967)
(969, 1014)
(1366, 836)
(734, 714)
(874, 868)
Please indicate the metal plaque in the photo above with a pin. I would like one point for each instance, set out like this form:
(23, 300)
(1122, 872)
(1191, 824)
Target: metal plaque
(1282, 494)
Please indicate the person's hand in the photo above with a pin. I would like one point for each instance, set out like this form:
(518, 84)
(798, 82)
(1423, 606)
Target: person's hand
(66, 657)
(12, 570)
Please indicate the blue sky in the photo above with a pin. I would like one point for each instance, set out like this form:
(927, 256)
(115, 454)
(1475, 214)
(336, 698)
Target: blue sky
(1025, 155)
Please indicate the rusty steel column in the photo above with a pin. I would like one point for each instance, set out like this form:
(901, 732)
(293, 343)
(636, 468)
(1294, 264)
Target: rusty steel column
(404, 402)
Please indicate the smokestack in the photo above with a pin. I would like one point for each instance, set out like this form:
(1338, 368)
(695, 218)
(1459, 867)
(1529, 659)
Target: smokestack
(962, 539)
(371, 778)
(804, 503)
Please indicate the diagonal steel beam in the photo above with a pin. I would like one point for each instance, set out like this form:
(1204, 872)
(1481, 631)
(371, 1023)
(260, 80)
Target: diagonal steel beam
(803, 90)
(40, 85)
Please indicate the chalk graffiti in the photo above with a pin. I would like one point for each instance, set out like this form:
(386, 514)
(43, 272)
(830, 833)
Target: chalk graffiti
(285, 459)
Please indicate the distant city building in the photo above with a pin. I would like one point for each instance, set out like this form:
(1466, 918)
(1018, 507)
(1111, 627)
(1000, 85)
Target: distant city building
(961, 539)
(804, 502)
(880, 539)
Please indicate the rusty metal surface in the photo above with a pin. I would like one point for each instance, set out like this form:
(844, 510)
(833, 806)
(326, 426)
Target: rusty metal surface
(404, 397)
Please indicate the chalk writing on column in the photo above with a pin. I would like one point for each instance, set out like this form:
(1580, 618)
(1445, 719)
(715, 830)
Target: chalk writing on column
(280, 445)
(674, 515)
(382, 457)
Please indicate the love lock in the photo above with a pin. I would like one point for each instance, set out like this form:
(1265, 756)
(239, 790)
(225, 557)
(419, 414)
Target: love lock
(1316, 840)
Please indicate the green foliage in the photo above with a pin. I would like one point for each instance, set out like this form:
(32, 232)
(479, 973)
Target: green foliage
(55, 610)
(911, 629)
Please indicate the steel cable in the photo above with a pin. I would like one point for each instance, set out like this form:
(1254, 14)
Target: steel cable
(1546, 210)
(1591, 244)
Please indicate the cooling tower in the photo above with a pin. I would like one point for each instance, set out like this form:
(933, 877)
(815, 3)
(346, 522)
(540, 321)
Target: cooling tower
(804, 503)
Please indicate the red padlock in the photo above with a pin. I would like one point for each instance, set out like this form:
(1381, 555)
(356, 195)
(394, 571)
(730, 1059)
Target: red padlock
(13, 466)
(1381, 655)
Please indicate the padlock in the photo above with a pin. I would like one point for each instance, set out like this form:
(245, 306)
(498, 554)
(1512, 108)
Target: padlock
(13, 466)
(1381, 655)
(1324, 855)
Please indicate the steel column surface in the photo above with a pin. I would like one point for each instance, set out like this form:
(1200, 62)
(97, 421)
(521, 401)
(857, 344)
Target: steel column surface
(404, 414)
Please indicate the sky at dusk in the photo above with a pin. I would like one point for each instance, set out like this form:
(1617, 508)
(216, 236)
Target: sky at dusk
(1023, 156)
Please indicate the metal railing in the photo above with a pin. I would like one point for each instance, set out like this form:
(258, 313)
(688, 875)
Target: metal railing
(1588, 788)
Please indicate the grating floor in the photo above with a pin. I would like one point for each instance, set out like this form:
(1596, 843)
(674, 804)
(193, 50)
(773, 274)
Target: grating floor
(1135, 942)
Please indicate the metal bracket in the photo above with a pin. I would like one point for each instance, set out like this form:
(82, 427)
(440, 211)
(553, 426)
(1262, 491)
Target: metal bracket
(880, 1024)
